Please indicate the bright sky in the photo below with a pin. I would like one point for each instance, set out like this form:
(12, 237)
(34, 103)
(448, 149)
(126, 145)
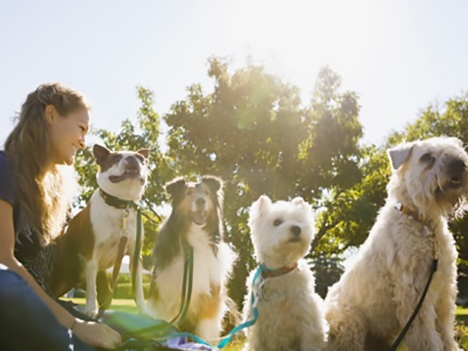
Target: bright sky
(398, 55)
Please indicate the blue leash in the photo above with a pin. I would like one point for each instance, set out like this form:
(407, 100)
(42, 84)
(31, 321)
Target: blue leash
(226, 339)
(254, 298)
(254, 301)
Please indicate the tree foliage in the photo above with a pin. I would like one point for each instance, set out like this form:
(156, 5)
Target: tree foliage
(255, 133)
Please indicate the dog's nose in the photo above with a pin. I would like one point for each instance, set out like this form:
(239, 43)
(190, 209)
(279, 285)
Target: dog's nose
(296, 230)
(456, 167)
(132, 164)
(200, 202)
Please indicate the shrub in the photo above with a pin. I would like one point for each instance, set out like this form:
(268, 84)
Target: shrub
(125, 291)
(461, 335)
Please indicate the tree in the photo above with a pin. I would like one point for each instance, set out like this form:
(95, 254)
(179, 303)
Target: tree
(348, 216)
(254, 132)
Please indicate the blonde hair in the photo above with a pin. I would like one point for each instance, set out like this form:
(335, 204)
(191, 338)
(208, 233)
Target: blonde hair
(42, 190)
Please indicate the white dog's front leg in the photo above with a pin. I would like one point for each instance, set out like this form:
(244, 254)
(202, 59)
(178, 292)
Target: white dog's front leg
(138, 288)
(313, 335)
(445, 310)
(423, 335)
(91, 294)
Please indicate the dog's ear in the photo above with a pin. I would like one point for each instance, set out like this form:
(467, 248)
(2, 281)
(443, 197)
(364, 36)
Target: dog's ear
(100, 153)
(175, 186)
(399, 155)
(214, 183)
(299, 202)
(144, 152)
(260, 206)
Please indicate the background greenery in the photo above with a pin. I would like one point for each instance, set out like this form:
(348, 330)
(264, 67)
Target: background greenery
(255, 132)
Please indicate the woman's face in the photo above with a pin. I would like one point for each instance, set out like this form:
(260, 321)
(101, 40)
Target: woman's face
(67, 134)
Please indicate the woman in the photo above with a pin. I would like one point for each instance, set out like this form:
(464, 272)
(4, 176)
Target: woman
(35, 195)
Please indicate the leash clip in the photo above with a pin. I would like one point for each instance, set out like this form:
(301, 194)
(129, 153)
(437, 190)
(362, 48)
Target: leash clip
(259, 292)
(123, 221)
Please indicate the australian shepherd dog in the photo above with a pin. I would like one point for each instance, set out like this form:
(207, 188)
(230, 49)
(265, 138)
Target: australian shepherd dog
(196, 221)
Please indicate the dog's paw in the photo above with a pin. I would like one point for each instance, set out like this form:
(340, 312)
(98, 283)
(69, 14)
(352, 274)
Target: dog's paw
(91, 311)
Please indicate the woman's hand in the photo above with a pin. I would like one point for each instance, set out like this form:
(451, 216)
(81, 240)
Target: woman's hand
(97, 334)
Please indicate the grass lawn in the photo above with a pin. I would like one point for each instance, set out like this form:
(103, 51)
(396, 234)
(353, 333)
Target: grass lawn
(462, 315)
(126, 305)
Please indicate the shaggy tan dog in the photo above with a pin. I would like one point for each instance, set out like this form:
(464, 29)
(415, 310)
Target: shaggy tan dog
(376, 296)
(289, 311)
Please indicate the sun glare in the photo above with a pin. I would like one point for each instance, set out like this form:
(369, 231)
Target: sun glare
(295, 38)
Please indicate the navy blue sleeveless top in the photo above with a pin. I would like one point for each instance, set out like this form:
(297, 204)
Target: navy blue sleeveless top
(30, 249)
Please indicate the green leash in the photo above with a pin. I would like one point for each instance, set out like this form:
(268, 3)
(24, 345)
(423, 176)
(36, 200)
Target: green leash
(186, 285)
(122, 205)
(136, 255)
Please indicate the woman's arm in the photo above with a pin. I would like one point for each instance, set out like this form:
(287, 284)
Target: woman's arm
(95, 334)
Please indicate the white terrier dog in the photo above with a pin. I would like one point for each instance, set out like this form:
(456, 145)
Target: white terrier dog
(289, 310)
(374, 299)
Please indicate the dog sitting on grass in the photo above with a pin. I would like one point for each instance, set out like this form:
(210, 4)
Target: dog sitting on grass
(196, 221)
(375, 297)
(91, 242)
(289, 310)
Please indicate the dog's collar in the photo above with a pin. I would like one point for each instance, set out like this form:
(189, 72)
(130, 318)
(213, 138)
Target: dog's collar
(405, 210)
(272, 273)
(116, 202)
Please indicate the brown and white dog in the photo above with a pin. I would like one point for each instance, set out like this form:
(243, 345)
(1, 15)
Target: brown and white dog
(90, 244)
(196, 220)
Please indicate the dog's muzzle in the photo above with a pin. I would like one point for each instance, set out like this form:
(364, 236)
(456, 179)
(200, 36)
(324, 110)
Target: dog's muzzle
(199, 212)
(296, 233)
(457, 173)
(132, 170)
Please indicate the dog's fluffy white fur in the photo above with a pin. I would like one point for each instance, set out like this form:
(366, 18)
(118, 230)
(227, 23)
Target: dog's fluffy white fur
(376, 296)
(196, 220)
(290, 316)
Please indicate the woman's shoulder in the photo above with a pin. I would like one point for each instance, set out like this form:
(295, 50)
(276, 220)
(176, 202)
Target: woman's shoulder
(4, 167)
(6, 180)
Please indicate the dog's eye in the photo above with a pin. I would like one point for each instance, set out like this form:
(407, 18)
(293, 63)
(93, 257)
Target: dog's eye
(140, 158)
(189, 192)
(427, 158)
(116, 158)
(277, 222)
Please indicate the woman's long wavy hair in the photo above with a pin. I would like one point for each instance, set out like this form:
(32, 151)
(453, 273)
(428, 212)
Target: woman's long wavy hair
(44, 191)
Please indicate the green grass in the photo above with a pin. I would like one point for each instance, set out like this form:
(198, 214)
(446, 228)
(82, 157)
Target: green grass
(462, 314)
(127, 305)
